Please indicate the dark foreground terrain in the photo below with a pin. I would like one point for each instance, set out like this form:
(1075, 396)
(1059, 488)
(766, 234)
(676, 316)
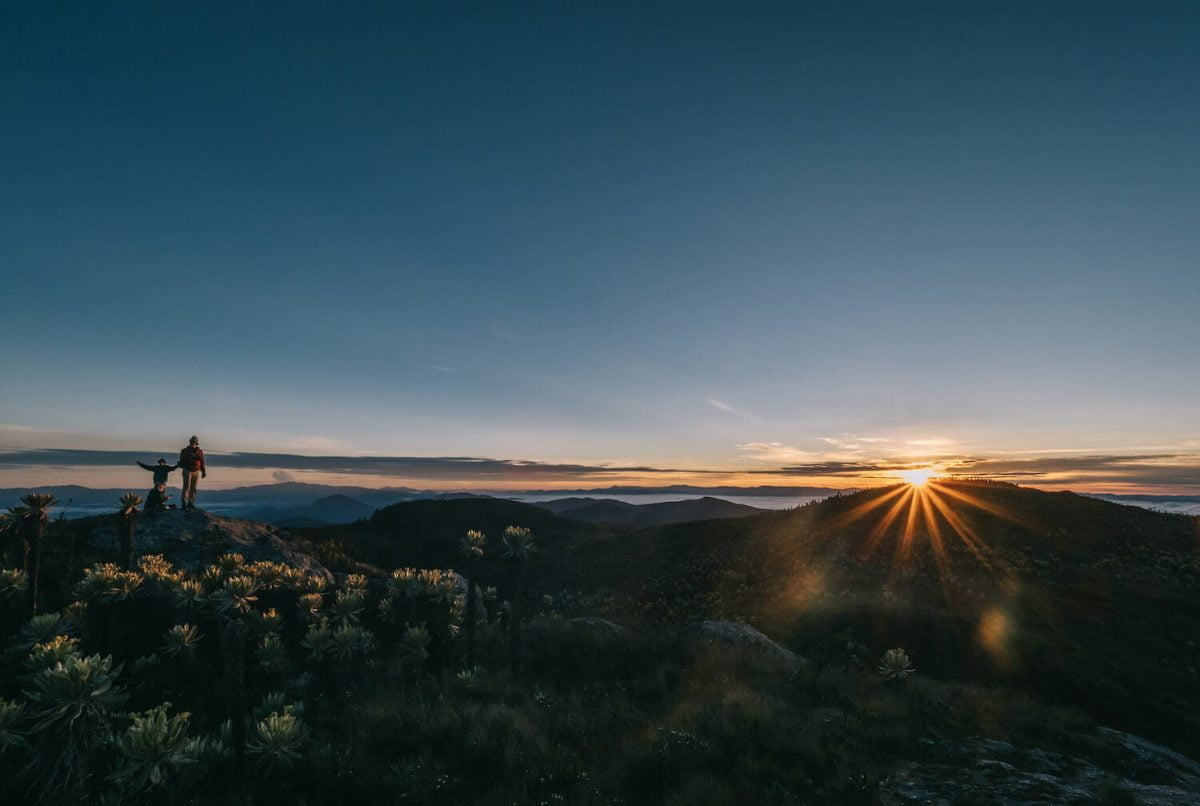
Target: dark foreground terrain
(1049, 656)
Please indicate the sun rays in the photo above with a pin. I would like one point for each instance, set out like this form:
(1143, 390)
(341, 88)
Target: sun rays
(930, 512)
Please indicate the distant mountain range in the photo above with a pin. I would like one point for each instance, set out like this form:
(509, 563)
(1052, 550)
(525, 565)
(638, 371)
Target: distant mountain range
(332, 509)
(302, 504)
(688, 489)
(622, 513)
(298, 504)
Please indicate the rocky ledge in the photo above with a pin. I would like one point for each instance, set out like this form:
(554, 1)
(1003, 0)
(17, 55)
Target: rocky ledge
(193, 539)
(976, 770)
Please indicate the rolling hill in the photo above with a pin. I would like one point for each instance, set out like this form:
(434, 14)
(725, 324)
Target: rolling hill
(331, 509)
(622, 513)
(1072, 598)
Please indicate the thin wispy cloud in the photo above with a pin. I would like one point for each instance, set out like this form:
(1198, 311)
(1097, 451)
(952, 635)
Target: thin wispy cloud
(721, 405)
(774, 452)
(440, 368)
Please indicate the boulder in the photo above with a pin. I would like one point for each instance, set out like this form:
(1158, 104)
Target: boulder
(191, 540)
(978, 770)
(736, 634)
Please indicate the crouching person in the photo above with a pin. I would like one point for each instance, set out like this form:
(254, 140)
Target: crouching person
(156, 500)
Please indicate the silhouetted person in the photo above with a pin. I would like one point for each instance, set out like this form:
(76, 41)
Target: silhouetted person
(156, 500)
(161, 470)
(191, 461)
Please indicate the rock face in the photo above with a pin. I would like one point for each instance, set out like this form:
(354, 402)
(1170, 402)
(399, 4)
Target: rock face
(194, 539)
(987, 771)
(741, 635)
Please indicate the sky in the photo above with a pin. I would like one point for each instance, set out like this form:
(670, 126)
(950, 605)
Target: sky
(593, 243)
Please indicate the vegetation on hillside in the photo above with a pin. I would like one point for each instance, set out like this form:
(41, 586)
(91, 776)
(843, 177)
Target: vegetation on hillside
(256, 682)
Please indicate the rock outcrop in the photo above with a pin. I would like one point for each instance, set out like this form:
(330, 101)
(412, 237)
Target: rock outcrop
(192, 540)
(988, 771)
(740, 635)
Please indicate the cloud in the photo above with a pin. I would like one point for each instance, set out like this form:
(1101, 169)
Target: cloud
(721, 405)
(1160, 469)
(1142, 470)
(440, 368)
(774, 452)
(1180, 471)
(837, 468)
(444, 468)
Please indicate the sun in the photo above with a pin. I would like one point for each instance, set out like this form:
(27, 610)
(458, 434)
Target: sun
(917, 477)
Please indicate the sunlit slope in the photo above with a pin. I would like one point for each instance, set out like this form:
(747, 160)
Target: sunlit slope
(1078, 599)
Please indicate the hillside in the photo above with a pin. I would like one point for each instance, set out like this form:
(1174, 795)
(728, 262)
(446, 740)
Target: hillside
(1053, 639)
(1073, 598)
(1078, 599)
(622, 513)
(427, 532)
(331, 509)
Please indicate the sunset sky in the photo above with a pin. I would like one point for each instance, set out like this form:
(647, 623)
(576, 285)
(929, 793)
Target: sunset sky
(538, 245)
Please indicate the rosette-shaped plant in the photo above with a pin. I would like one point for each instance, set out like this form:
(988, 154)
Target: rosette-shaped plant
(896, 665)
(50, 653)
(237, 595)
(277, 742)
(153, 749)
(75, 690)
(181, 641)
(268, 621)
(12, 715)
(347, 606)
(271, 656)
(350, 640)
(318, 640)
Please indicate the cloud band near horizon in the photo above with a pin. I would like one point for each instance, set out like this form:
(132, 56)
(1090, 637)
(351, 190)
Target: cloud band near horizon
(1157, 470)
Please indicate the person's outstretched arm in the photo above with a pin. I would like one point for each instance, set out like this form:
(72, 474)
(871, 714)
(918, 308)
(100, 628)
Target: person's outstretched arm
(146, 466)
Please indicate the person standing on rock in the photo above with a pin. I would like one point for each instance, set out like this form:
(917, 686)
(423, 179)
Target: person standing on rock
(161, 471)
(191, 461)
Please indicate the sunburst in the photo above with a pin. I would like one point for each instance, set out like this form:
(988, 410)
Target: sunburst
(917, 476)
(924, 505)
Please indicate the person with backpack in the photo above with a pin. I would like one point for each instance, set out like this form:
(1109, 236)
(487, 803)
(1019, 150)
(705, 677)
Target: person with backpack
(191, 461)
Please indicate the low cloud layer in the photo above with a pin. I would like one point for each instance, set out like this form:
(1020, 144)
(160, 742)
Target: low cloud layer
(1145, 471)
(444, 468)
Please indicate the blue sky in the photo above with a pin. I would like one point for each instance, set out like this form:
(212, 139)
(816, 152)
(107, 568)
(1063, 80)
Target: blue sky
(686, 236)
